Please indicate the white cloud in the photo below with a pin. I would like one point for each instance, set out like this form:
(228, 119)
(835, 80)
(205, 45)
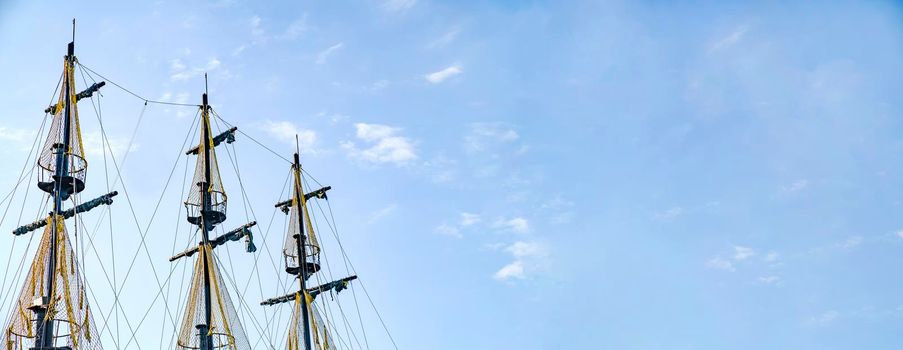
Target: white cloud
(669, 214)
(823, 319)
(797, 186)
(521, 249)
(254, 23)
(769, 279)
(468, 219)
(513, 270)
(900, 233)
(483, 136)
(516, 224)
(177, 65)
(719, 263)
(398, 5)
(323, 55)
(296, 28)
(447, 230)
(286, 131)
(734, 37)
(386, 146)
(743, 253)
(851, 242)
(16, 135)
(181, 72)
(771, 257)
(379, 214)
(442, 75)
(445, 39)
(528, 257)
(94, 145)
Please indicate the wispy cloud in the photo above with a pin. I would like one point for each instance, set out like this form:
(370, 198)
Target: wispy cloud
(468, 219)
(513, 270)
(730, 40)
(483, 136)
(181, 72)
(743, 253)
(669, 214)
(254, 23)
(719, 263)
(95, 147)
(448, 230)
(515, 224)
(823, 319)
(398, 5)
(851, 242)
(324, 55)
(382, 213)
(528, 256)
(770, 280)
(442, 75)
(286, 131)
(445, 39)
(796, 186)
(295, 29)
(20, 136)
(385, 145)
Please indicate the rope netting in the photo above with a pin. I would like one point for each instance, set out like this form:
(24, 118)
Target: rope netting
(206, 161)
(319, 330)
(74, 156)
(67, 307)
(290, 247)
(225, 327)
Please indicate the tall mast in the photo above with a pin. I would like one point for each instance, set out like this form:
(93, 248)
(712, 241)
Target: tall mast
(301, 258)
(45, 334)
(203, 330)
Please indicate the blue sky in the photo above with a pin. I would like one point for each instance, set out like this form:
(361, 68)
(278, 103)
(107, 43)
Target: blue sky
(531, 175)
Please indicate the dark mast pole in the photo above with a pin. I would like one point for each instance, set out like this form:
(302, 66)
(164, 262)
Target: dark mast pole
(300, 239)
(45, 335)
(204, 330)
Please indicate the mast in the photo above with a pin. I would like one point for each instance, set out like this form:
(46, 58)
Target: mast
(210, 318)
(44, 324)
(304, 240)
(301, 258)
(54, 289)
(203, 329)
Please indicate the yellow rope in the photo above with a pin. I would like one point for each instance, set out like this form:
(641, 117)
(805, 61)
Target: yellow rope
(63, 273)
(313, 321)
(87, 326)
(25, 320)
(219, 296)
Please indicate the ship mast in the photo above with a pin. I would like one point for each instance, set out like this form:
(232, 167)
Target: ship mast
(301, 258)
(203, 329)
(304, 240)
(45, 324)
(54, 282)
(210, 317)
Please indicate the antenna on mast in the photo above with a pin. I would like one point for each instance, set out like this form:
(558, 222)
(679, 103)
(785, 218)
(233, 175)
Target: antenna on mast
(73, 30)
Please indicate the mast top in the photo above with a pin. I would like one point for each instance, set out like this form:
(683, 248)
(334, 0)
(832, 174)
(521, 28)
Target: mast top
(72, 43)
(205, 90)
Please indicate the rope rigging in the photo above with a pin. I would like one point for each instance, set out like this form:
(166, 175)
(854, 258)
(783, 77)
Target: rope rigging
(323, 318)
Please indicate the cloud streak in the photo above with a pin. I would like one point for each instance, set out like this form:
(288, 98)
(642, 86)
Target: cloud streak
(443, 75)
